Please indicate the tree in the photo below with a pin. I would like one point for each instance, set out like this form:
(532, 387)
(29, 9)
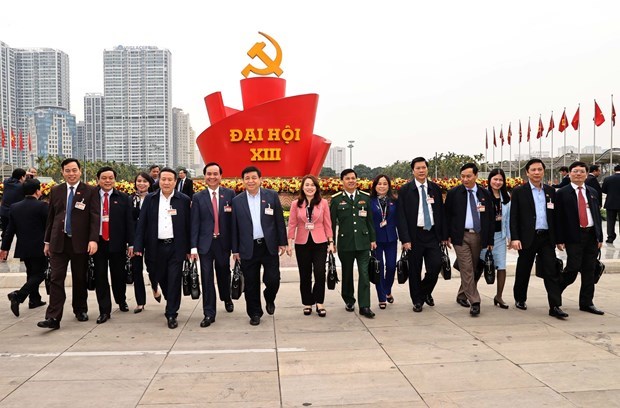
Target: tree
(398, 169)
(363, 171)
(328, 172)
(50, 166)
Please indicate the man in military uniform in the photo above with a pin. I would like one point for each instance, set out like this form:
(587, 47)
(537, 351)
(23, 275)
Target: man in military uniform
(350, 212)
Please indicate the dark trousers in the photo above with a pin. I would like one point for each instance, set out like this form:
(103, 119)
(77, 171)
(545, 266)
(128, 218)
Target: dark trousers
(221, 259)
(581, 257)
(545, 249)
(612, 216)
(4, 223)
(311, 257)
(79, 265)
(386, 255)
(35, 274)
(137, 268)
(116, 261)
(363, 283)
(426, 249)
(168, 273)
(251, 274)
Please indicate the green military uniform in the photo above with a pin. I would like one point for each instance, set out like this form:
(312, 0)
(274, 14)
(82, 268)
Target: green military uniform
(355, 233)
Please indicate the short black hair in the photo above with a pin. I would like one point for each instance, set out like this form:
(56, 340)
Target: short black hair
(31, 186)
(169, 170)
(345, 172)
(18, 173)
(469, 166)
(104, 169)
(250, 169)
(563, 168)
(70, 160)
(532, 161)
(417, 160)
(153, 166)
(204, 170)
(578, 164)
(617, 167)
(594, 167)
(183, 170)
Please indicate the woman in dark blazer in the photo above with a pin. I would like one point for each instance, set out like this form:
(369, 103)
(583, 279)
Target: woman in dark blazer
(310, 228)
(383, 205)
(144, 185)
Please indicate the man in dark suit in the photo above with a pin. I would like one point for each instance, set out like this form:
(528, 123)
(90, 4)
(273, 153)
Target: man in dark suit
(258, 238)
(470, 217)
(211, 240)
(532, 229)
(115, 243)
(164, 231)
(71, 235)
(592, 181)
(27, 220)
(611, 187)
(154, 173)
(565, 179)
(579, 229)
(421, 228)
(185, 184)
(12, 193)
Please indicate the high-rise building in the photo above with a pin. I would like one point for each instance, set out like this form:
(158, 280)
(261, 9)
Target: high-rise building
(8, 95)
(137, 105)
(93, 127)
(336, 159)
(53, 131)
(183, 139)
(79, 141)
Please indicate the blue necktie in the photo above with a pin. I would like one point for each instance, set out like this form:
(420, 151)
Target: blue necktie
(474, 211)
(69, 208)
(427, 215)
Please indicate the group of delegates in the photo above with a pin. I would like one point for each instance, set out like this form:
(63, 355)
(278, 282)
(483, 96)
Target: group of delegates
(164, 223)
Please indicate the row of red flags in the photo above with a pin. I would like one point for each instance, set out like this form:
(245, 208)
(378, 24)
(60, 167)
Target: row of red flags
(15, 141)
(599, 119)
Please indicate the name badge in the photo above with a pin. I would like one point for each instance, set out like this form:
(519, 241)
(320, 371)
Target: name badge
(481, 208)
(172, 211)
(362, 213)
(105, 218)
(309, 226)
(227, 208)
(80, 205)
(550, 206)
(430, 200)
(268, 211)
(498, 218)
(383, 223)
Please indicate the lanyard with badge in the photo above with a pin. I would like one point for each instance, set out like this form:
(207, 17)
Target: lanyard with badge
(309, 223)
(383, 206)
(498, 209)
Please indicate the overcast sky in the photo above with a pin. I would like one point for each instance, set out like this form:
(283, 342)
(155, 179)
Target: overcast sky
(402, 78)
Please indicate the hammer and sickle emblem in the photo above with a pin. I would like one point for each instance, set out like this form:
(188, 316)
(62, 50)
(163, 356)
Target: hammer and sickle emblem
(272, 66)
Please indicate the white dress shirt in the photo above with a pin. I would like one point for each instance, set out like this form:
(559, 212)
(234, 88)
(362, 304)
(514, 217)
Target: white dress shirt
(164, 223)
(420, 204)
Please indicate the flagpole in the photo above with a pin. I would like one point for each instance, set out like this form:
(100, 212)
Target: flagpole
(539, 140)
(552, 155)
(564, 163)
(611, 142)
(579, 133)
(501, 148)
(529, 139)
(510, 149)
(486, 148)
(594, 147)
(519, 161)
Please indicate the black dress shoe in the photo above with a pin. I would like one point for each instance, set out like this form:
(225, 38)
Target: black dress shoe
(172, 322)
(365, 311)
(104, 317)
(462, 302)
(34, 305)
(417, 307)
(429, 300)
(123, 306)
(206, 322)
(255, 320)
(349, 307)
(14, 303)
(229, 306)
(590, 309)
(475, 309)
(521, 305)
(270, 307)
(555, 311)
(82, 317)
(49, 324)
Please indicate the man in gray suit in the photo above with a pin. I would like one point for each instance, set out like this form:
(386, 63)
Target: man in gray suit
(258, 238)
(611, 187)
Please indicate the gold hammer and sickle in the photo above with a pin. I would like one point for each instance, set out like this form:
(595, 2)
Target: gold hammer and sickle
(272, 66)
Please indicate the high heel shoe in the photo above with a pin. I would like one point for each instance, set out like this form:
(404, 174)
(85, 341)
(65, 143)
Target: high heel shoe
(390, 298)
(138, 309)
(307, 311)
(321, 311)
(382, 305)
(157, 295)
(500, 304)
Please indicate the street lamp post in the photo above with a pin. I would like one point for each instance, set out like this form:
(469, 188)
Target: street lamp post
(350, 146)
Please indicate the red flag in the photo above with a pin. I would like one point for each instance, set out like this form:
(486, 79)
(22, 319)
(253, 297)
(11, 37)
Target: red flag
(29, 143)
(551, 126)
(501, 136)
(21, 141)
(494, 138)
(509, 134)
(599, 119)
(575, 121)
(520, 132)
(563, 122)
(613, 115)
(13, 140)
(541, 128)
(487, 139)
(3, 139)
(529, 130)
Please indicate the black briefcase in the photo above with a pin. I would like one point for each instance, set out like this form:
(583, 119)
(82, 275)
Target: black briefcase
(402, 267)
(373, 269)
(446, 269)
(185, 274)
(236, 282)
(559, 267)
(194, 280)
(128, 272)
(332, 272)
(599, 268)
(90, 274)
(488, 267)
(48, 275)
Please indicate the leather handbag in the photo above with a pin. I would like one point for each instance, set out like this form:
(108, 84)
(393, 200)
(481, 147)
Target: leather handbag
(373, 269)
(332, 272)
(237, 281)
(187, 290)
(446, 269)
(90, 274)
(402, 267)
(559, 267)
(488, 267)
(48, 275)
(128, 272)
(599, 268)
(194, 280)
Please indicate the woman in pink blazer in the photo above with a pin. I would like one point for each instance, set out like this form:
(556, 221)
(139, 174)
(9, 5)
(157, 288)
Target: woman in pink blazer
(310, 228)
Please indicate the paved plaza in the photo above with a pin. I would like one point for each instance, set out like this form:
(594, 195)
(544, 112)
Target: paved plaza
(441, 357)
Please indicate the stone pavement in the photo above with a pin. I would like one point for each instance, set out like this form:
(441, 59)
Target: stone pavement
(441, 357)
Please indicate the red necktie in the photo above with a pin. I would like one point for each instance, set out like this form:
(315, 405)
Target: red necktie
(216, 228)
(105, 225)
(583, 215)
